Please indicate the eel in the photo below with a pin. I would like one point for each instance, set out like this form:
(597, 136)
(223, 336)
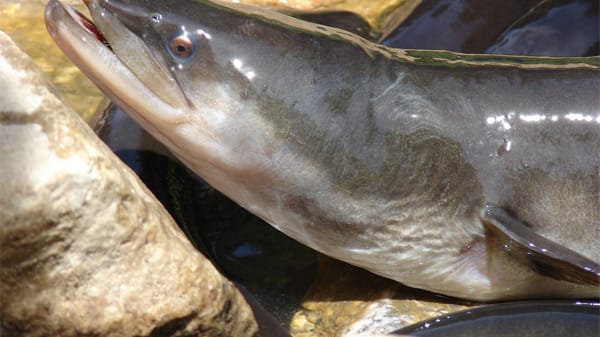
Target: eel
(468, 26)
(569, 27)
(468, 175)
(515, 319)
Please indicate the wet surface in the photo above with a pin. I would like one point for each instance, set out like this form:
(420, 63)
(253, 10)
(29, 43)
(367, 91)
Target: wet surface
(23, 21)
(468, 26)
(345, 300)
(524, 319)
(344, 20)
(273, 268)
(380, 15)
(298, 289)
(569, 28)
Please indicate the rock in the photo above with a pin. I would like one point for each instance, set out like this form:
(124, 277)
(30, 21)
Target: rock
(86, 250)
(345, 301)
(23, 21)
(381, 15)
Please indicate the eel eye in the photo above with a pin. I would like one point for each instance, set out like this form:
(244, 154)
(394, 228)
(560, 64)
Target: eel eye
(182, 46)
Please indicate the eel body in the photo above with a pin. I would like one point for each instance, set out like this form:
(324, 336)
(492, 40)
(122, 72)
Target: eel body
(468, 175)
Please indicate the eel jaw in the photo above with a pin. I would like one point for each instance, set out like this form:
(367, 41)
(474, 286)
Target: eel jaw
(89, 50)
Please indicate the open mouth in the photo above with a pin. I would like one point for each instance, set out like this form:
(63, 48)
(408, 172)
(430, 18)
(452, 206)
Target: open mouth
(120, 63)
(87, 24)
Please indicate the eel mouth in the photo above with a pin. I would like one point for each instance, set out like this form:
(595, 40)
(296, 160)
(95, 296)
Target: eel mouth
(116, 60)
(87, 24)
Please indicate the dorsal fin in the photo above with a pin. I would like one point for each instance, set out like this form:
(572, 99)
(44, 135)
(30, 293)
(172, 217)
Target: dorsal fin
(544, 256)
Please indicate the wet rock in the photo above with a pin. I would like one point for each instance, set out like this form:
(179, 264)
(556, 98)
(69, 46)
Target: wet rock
(381, 15)
(346, 301)
(86, 250)
(23, 21)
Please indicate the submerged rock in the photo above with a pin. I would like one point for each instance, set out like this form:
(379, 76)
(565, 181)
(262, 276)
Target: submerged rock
(86, 249)
(346, 301)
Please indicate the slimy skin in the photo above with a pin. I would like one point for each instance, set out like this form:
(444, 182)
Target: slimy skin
(520, 319)
(445, 172)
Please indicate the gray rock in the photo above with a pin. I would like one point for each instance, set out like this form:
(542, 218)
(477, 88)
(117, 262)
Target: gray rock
(85, 249)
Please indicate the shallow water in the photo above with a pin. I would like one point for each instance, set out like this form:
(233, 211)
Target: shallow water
(23, 21)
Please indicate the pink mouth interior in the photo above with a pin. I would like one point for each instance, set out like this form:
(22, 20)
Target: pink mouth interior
(87, 25)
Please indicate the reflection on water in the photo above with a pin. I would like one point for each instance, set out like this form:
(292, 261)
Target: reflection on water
(23, 21)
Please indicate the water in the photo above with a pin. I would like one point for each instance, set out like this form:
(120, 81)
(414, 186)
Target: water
(23, 21)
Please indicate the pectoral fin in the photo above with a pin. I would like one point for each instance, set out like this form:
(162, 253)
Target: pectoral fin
(544, 256)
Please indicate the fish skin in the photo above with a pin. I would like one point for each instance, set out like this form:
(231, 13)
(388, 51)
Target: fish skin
(378, 157)
(517, 319)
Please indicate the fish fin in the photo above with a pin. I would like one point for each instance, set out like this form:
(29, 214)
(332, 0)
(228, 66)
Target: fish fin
(542, 255)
